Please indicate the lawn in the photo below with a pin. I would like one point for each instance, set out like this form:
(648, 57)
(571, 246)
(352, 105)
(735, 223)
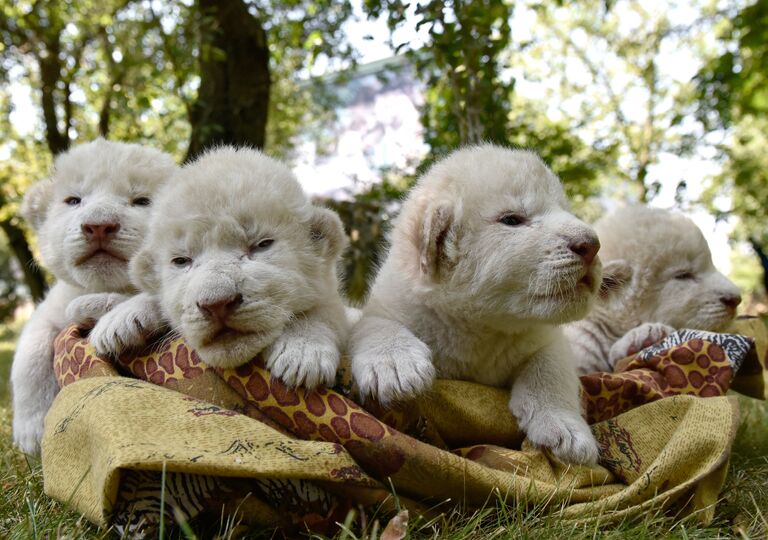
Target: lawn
(25, 512)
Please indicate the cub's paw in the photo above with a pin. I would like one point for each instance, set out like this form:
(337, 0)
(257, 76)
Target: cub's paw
(566, 434)
(85, 310)
(303, 361)
(396, 373)
(27, 434)
(638, 339)
(123, 328)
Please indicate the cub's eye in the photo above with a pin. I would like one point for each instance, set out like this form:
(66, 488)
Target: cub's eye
(72, 201)
(511, 220)
(262, 245)
(684, 275)
(141, 201)
(181, 262)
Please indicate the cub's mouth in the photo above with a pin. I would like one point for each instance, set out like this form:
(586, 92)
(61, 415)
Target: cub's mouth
(566, 290)
(101, 253)
(224, 345)
(225, 335)
(587, 281)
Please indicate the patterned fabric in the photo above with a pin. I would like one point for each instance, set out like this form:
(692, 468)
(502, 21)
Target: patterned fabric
(144, 496)
(458, 443)
(734, 347)
(688, 362)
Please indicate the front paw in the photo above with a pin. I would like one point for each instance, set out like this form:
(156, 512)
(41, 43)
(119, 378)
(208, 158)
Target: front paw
(85, 310)
(565, 433)
(638, 339)
(118, 331)
(301, 361)
(27, 434)
(394, 374)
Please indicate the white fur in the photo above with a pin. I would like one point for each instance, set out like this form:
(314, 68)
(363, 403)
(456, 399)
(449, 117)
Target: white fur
(215, 212)
(637, 339)
(127, 325)
(108, 177)
(89, 308)
(657, 269)
(464, 296)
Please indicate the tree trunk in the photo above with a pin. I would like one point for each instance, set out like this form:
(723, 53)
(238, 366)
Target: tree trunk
(33, 275)
(233, 100)
(763, 260)
(50, 74)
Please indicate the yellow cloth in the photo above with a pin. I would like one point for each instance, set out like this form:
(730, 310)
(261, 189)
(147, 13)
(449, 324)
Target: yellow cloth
(672, 451)
(300, 460)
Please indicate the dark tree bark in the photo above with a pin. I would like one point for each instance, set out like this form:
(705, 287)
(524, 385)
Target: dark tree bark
(17, 242)
(33, 275)
(50, 74)
(763, 260)
(233, 100)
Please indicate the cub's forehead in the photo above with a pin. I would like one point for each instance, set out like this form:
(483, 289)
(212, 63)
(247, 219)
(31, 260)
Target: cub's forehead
(491, 173)
(232, 180)
(230, 189)
(115, 167)
(199, 233)
(652, 236)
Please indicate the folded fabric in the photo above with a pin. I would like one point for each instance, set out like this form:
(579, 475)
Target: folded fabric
(300, 460)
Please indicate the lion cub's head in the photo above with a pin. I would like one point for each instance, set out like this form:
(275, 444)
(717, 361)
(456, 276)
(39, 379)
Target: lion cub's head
(91, 215)
(235, 250)
(658, 268)
(488, 231)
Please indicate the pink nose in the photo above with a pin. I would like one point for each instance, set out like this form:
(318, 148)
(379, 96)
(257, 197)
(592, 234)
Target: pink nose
(218, 310)
(731, 300)
(586, 248)
(99, 231)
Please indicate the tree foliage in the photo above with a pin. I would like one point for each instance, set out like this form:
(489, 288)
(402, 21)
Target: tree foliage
(608, 61)
(160, 73)
(24, 159)
(460, 66)
(184, 75)
(465, 64)
(735, 84)
(733, 92)
(367, 221)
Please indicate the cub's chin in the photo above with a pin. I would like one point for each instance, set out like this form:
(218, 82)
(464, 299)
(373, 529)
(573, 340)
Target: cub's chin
(102, 274)
(232, 348)
(564, 306)
(713, 320)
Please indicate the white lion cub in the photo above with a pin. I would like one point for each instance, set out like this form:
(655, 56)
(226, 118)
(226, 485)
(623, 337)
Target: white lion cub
(90, 217)
(485, 261)
(239, 261)
(658, 276)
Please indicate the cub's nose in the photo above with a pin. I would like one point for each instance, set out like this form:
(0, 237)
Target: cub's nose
(586, 248)
(99, 231)
(219, 309)
(731, 300)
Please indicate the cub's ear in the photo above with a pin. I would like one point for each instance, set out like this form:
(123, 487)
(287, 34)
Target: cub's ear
(143, 271)
(327, 233)
(617, 275)
(437, 240)
(34, 207)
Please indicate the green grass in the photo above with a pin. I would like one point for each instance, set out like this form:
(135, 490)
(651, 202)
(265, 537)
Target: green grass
(25, 512)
